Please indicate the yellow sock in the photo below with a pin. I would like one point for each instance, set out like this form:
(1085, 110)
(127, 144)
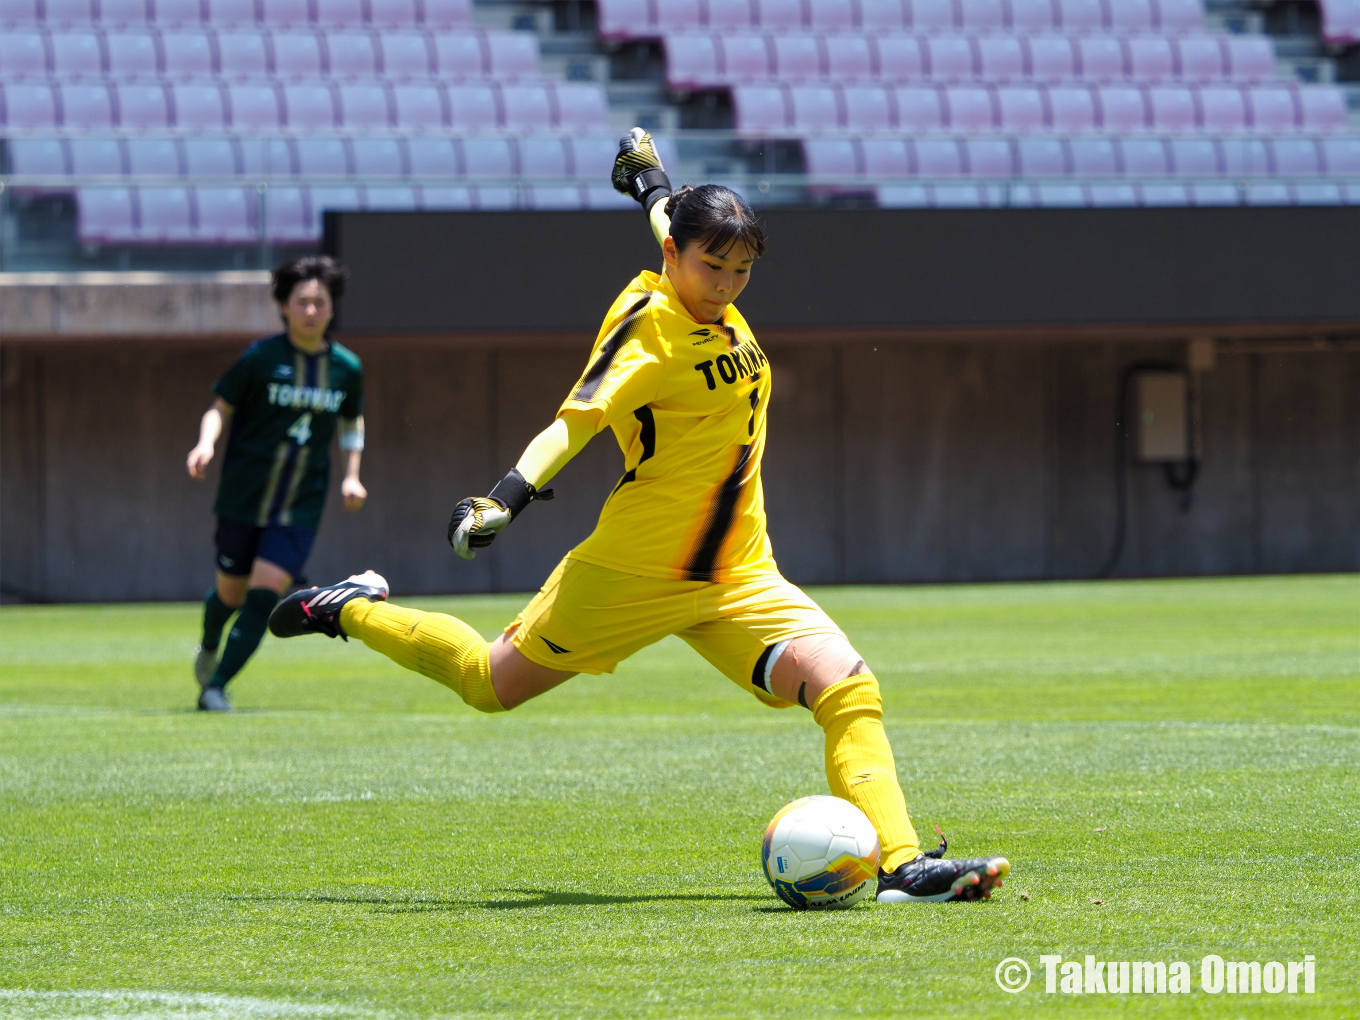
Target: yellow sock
(435, 645)
(859, 763)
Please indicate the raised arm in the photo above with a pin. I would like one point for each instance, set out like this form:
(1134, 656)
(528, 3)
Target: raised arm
(210, 429)
(638, 173)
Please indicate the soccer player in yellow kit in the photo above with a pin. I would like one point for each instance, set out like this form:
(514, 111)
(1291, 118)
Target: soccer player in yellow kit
(680, 547)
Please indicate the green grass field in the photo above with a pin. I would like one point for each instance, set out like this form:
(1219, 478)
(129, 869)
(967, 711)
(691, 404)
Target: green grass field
(1172, 767)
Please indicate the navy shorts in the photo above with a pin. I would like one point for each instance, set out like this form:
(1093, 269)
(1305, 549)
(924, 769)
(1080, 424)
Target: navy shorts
(240, 545)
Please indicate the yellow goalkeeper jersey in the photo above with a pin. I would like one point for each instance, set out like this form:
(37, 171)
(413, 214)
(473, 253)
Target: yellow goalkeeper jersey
(686, 401)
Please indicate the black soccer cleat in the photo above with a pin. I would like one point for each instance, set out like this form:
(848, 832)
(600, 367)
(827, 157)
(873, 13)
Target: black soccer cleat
(317, 610)
(214, 699)
(931, 879)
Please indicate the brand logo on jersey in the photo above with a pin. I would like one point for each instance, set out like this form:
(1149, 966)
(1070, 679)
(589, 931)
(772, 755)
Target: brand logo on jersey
(742, 361)
(706, 334)
(283, 371)
(313, 398)
(557, 649)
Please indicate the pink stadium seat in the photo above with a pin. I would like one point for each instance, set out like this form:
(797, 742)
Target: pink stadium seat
(1052, 58)
(418, 107)
(38, 156)
(404, 55)
(988, 157)
(544, 196)
(1207, 193)
(1321, 107)
(526, 107)
(591, 158)
(1080, 16)
(1244, 157)
(210, 157)
(1143, 157)
(352, 54)
(867, 108)
(1221, 108)
(691, 61)
(472, 107)
(488, 158)
(968, 108)
(68, 12)
(439, 198)
(1268, 194)
(931, 15)
(322, 157)
(448, 13)
(142, 107)
(297, 54)
(729, 15)
(435, 157)
(198, 107)
(621, 19)
(225, 215)
(1341, 156)
(1071, 108)
(796, 58)
(885, 157)
(745, 57)
(287, 219)
(457, 55)
(1021, 109)
(982, 15)
(266, 157)
(1000, 58)
(831, 15)
(1340, 22)
(390, 198)
(1249, 57)
(1100, 59)
(177, 13)
(1040, 157)
(780, 15)
(1199, 58)
(23, 54)
(86, 107)
(96, 157)
(113, 13)
(677, 15)
(848, 57)
(1029, 17)
(132, 54)
(1093, 157)
(919, 108)
(307, 107)
(256, 107)
(759, 108)
(1130, 17)
(899, 58)
(14, 13)
(1194, 157)
(937, 157)
(1150, 58)
(511, 54)
(165, 215)
(76, 54)
(1178, 16)
(1163, 194)
(285, 13)
(241, 55)
(949, 58)
(580, 106)
(387, 14)
(542, 157)
(153, 157)
(1172, 107)
(187, 54)
(880, 15)
(1272, 108)
(814, 107)
(377, 157)
(105, 215)
(830, 157)
(229, 13)
(1291, 157)
(364, 106)
(338, 13)
(1121, 109)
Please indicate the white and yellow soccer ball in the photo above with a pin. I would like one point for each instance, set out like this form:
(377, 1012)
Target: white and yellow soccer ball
(821, 853)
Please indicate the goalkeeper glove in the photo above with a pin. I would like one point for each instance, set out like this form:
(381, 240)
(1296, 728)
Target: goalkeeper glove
(638, 171)
(477, 520)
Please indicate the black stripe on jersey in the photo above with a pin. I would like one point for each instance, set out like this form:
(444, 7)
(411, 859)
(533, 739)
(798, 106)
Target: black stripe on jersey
(648, 437)
(623, 332)
(719, 522)
(758, 674)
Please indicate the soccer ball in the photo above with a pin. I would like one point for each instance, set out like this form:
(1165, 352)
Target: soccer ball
(820, 853)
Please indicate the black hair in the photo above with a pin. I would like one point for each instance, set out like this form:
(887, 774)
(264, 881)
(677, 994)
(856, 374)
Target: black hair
(716, 217)
(288, 275)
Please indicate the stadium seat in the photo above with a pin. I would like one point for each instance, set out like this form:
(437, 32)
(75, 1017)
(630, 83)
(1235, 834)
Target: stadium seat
(1294, 157)
(1049, 196)
(599, 196)
(387, 14)
(351, 54)
(691, 61)
(1163, 194)
(1071, 109)
(968, 108)
(899, 58)
(580, 106)
(153, 157)
(779, 15)
(231, 13)
(377, 157)
(1093, 157)
(472, 107)
(286, 217)
(511, 54)
(448, 13)
(1121, 109)
(45, 157)
(297, 54)
(165, 215)
(830, 157)
(831, 15)
(1208, 193)
(982, 15)
(1341, 156)
(488, 158)
(338, 13)
(1321, 108)
(1172, 108)
(1271, 108)
(988, 157)
(119, 13)
(1112, 195)
(591, 158)
(759, 108)
(729, 15)
(142, 107)
(796, 58)
(105, 215)
(959, 196)
(937, 157)
(86, 107)
(404, 55)
(1129, 17)
(418, 107)
(284, 13)
(267, 157)
(745, 57)
(322, 157)
(256, 107)
(867, 108)
(1194, 157)
(1221, 108)
(623, 19)
(198, 107)
(331, 199)
(560, 197)
(1340, 21)
(903, 196)
(885, 157)
(177, 13)
(542, 157)
(187, 54)
(1029, 17)
(931, 15)
(242, 56)
(1150, 58)
(364, 106)
(678, 15)
(1077, 17)
(1040, 157)
(212, 157)
(1100, 59)
(1020, 108)
(75, 54)
(879, 15)
(390, 198)
(1051, 58)
(23, 54)
(306, 108)
(813, 107)
(441, 198)
(1143, 157)
(68, 12)
(1179, 16)
(434, 157)
(132, 55)
(919, 108)
(1000, 58)
(526, 107)
(1199, 58)
(1268, 194)
(1244, 157)
(1317, 193)
(225, 215)
(949, 58)
(1249, 58)
(457, 55)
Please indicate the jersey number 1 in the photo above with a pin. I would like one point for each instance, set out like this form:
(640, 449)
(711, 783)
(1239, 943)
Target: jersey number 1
(302, 429)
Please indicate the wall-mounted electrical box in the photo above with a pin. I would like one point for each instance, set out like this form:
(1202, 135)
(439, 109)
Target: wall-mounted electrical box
(1161, 408)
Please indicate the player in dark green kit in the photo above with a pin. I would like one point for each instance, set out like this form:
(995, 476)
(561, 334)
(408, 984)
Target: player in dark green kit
(284, 398)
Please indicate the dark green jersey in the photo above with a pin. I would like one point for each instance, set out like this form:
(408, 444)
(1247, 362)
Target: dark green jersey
(277, 465)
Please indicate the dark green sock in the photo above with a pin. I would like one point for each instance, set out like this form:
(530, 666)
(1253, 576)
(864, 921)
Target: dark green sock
(216, 613)
(245, 636)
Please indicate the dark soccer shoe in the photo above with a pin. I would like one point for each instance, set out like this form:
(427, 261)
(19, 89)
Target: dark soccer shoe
(317, 610)
(931, 879)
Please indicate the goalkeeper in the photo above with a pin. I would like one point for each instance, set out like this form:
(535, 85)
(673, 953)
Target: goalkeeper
(680, 547)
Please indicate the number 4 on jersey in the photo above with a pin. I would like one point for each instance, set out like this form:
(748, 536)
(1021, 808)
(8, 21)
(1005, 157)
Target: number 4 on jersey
(301, 429)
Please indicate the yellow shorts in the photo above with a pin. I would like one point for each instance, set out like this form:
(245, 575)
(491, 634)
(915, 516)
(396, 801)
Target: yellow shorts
(587, 619)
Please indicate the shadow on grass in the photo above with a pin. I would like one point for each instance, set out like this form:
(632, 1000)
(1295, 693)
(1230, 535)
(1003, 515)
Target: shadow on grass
(395, 904)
